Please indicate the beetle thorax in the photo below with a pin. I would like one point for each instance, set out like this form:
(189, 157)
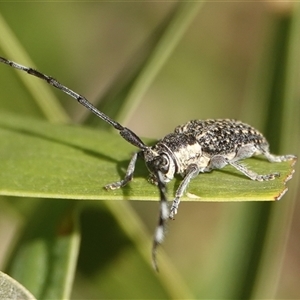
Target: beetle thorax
(173, 154)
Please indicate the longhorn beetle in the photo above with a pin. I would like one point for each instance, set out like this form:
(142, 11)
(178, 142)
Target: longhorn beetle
(195, 147)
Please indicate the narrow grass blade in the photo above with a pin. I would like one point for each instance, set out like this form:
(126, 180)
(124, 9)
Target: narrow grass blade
(40, 91)
(186, 12)
(271, 266)
(127, 90)
(45, 256)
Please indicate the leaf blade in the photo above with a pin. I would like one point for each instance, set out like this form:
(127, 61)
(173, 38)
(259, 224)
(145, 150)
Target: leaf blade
(45, 257)
(39, 159)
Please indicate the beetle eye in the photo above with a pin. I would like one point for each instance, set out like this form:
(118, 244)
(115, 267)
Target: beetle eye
(164, 164)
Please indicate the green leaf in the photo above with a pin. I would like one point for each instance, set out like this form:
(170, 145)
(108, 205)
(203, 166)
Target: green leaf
(276, 85)
(127, 91)
(183, 16)
(39, 159)
(45, 257)
(11, 289)
(115, 255)
(41, 93)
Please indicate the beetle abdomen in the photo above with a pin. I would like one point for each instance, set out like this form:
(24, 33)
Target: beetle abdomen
(222, 136)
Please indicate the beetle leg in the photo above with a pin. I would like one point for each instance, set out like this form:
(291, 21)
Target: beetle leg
(192, 171)
(251, 174)
(128, 176)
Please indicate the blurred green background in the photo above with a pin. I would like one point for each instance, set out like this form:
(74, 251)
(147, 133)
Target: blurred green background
(221, 68)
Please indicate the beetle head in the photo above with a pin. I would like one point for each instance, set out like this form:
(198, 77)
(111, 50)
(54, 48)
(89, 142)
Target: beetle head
(160, 161)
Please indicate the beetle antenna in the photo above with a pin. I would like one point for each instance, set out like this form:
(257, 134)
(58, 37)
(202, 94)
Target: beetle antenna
(163, 217)
(126, 133)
